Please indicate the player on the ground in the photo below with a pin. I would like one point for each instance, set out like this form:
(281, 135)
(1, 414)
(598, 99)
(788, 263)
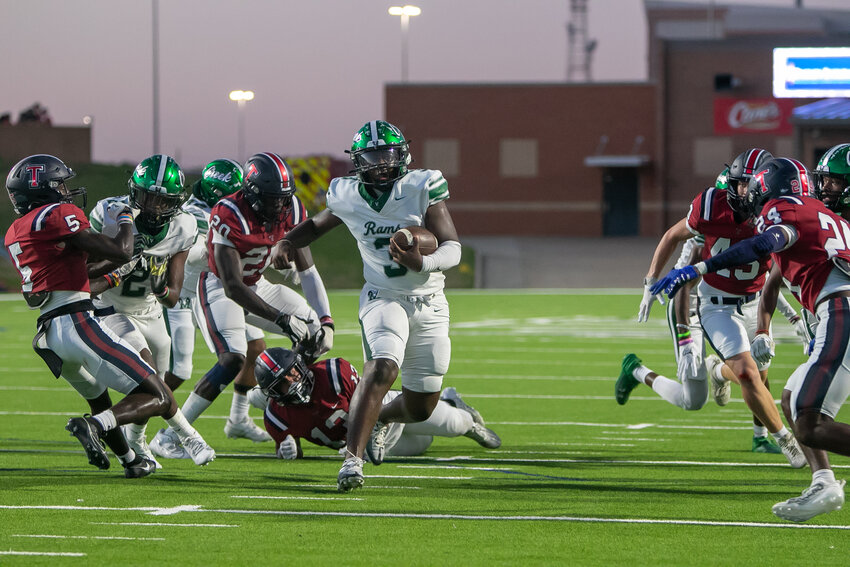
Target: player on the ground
(50, 243)
(728, 305)
(403, 310)
(312, 403)
(164, 236)
(832, 187)
(219, 178)
(245, 227)
(811, 245)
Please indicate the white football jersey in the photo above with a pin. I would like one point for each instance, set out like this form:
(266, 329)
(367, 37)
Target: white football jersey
(133, 296)
(372, 222)
(197, 261)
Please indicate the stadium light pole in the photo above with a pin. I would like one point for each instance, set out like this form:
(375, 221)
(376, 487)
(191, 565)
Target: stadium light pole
(241, 97)
(405, 12)
(155, 81)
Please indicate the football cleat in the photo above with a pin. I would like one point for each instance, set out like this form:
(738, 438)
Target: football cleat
(792, 451)
(819, 498)
(765, 445)
(450, 396)
(166, 444)
(350, 475)
(384, 436)
(626, 381)
(139, 467)
(721, 388)
(246, 429)
(87, 432)
(199, 451)
(485, 437)
(140, 446)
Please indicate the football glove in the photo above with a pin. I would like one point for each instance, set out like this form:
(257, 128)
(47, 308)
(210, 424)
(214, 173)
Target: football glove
(675, 279)
(159, 274)
(120, 212)
(325, 340)
(648, 298)
(293, 327)
(689, 355)
(288, 449)
(762, 348)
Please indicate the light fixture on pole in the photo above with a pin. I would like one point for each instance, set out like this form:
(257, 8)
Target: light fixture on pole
(405, 12)
(155, 82)
(241, 97)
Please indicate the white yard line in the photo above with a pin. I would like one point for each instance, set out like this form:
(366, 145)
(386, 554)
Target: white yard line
(167, 524)
(418, 477)
(43, 553)
(365, 486)
(346, 498)
(50, 536)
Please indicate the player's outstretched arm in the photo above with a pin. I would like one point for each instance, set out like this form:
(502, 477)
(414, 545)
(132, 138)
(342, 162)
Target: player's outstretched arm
(302, 235)
(230, 273)
(118, 249)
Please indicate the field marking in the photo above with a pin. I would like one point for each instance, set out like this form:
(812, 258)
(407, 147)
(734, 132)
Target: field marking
(167, 524)
(297, 497)
(419, 477)
(581, 519)
(44, 553)
(453, 467)
(624, 425)
(334, 486)
(49, 536)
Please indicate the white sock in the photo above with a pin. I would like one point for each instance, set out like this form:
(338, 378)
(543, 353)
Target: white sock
(825, 476)
(445, 421)
(759, 430)
(717, 372)
(640, 373)
(670, 390)
(781, 434)
(107, 420)
(128, 458)
(180, 425)
(134, 431)
(195, 405)
(239, 407)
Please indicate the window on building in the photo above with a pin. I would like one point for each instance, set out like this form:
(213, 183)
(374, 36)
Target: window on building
(518, 157)
(710, 154)
(442, 154)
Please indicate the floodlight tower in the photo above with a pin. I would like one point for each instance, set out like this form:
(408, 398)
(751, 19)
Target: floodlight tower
(580, 48)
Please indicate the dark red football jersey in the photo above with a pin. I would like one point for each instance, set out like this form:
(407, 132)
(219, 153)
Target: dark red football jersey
(323, 421)
(711, 216)
(38, 244)
(822, 237)
(234, 219)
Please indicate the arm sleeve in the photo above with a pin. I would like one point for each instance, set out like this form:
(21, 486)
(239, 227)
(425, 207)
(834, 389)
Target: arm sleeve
(447, 255)
(774, 239)
(785, 308)
(314, 289)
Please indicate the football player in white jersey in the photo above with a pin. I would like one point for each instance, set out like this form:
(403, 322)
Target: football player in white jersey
(132, 306)
(403, 311)
(219, 178)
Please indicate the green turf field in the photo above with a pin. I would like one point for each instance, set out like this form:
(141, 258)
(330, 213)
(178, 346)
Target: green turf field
(578, 480)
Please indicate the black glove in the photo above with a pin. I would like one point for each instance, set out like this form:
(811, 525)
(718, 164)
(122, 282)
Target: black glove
(159, 274)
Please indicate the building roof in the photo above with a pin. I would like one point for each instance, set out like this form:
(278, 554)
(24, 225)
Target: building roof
(830, 111)
(690, 20)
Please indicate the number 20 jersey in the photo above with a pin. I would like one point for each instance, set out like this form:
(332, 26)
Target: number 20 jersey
(822, 238)
(233, 219)
(372, 222)
(711, 216)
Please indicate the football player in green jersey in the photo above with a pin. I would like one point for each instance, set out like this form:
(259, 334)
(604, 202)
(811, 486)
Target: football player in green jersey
(403, 311)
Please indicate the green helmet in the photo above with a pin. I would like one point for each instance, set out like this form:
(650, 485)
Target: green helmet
(835, 163)
(722, 181)
(156, 189)
(219, 178)
(380, 154)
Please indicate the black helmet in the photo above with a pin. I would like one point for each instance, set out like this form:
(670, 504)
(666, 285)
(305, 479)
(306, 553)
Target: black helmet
(268, 184)
(742, 169)
(39, 180)
(272, 370)
(777, 178)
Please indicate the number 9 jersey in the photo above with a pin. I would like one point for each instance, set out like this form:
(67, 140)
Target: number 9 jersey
(234, 223)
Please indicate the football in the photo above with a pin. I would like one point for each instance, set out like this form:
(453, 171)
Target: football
(427, 240)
